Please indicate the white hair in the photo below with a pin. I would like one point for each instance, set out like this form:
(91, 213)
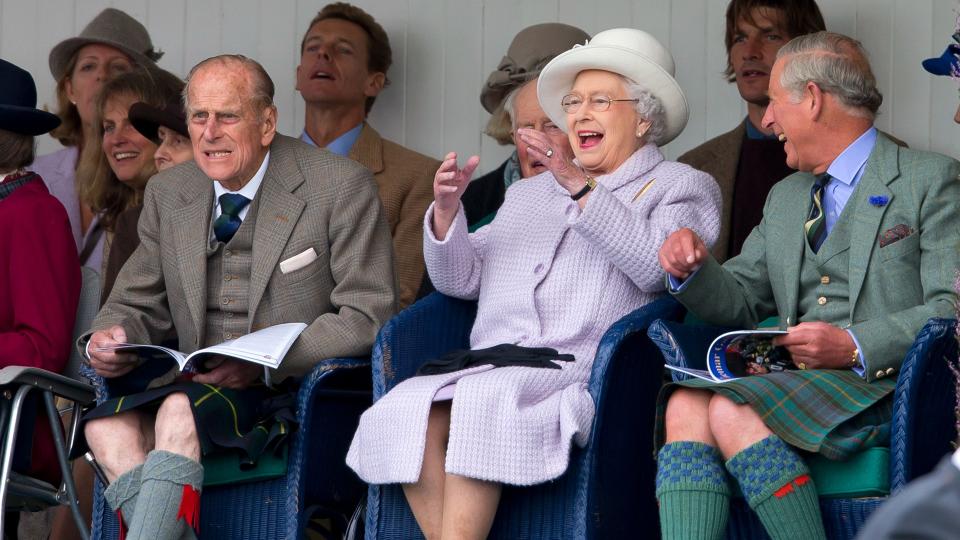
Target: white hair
(510, 104)
(838, 65)
(649, 108)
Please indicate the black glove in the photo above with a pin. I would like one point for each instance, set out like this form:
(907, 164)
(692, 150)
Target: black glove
(505, 355)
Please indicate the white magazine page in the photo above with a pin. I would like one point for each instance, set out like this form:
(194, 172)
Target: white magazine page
(266, 347)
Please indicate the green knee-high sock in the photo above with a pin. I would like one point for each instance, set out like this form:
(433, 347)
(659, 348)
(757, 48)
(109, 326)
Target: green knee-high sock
(777, 485)
(121, 495)
(169, 500)
(692, 491)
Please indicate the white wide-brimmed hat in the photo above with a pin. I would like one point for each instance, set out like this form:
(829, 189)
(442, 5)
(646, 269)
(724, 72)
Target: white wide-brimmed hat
(631, 53)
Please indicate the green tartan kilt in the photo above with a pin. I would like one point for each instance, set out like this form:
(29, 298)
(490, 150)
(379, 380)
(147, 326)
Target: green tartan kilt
(831, 412)
(248, 422)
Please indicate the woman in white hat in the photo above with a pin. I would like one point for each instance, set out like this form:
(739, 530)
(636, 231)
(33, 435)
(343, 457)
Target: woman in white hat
(570, 251)
(112, 43)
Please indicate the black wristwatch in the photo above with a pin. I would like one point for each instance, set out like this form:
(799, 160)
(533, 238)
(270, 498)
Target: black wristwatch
(591, 183)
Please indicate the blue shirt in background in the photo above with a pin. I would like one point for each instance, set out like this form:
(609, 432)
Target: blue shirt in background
(342, 144)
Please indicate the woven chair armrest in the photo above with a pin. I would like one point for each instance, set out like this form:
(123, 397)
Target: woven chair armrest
(311, 384)
(684, 345)
(433, 326)
(617, 336)
(923, 404)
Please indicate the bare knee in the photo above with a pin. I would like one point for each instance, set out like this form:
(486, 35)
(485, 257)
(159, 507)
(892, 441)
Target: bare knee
(438, 423)
(734, 426)
(118, 442)
(686, 416)
(175, 427)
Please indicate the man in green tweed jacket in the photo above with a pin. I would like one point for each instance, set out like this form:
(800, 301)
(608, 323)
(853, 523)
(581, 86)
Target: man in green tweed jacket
(854, 254)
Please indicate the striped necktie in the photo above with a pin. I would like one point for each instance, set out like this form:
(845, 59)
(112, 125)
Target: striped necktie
(229, 221)
(815, 227)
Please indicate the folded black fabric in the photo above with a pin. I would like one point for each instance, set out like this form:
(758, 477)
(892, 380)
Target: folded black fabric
(505, 355)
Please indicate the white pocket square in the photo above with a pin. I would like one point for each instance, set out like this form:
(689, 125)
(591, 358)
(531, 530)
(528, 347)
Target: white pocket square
(298, 261)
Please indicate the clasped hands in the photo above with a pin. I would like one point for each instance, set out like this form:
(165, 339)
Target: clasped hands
(815, 345)
(225, 372)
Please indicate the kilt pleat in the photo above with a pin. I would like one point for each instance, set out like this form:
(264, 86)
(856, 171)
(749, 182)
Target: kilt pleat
(831, 412)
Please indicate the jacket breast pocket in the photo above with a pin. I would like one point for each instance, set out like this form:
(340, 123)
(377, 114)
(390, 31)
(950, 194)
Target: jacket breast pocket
(900, 248)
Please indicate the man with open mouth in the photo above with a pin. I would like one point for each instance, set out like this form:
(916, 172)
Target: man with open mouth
(344, 60)
(748, 160)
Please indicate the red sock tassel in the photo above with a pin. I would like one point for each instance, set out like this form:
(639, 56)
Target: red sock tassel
(788, 487)
(190, 508)
(783, 491)
(123, 528)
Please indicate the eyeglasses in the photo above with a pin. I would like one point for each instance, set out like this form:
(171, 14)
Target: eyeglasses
(571, 103)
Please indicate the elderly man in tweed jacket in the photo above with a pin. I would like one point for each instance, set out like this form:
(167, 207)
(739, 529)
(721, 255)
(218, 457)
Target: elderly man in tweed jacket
(854, 254)
(261, 229)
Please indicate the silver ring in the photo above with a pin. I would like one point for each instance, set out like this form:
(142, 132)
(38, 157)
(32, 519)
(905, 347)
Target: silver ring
(549, 152)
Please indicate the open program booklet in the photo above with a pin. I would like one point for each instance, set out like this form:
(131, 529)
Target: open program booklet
(741, 353)
(266, 347)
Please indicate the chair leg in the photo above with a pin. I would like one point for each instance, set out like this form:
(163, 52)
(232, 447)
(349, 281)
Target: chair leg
(62, 459)
(10, 438)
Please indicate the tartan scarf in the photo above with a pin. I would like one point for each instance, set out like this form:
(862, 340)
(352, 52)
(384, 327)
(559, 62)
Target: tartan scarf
(14, 181)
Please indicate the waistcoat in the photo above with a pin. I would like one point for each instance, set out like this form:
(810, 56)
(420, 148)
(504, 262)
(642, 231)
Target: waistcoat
(228, 282)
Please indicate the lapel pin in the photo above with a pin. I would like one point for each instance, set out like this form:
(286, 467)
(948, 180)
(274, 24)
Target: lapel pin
(283, 218)
(643, 189)
(879, 200)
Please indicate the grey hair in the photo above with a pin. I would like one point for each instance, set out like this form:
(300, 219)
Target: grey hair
(261, 83)
(649, 108)
(838, 65)
(509, 104)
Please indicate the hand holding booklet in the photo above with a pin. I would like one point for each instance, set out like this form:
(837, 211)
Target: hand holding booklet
(742, 353)
(266, 347)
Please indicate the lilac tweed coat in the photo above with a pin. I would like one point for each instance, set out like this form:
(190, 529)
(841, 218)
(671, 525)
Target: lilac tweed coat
(546, 275)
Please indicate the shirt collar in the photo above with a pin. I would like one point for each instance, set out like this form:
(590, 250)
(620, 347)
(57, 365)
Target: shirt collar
(755, 134)
(342, 144)
(847, 166)
(250, 190)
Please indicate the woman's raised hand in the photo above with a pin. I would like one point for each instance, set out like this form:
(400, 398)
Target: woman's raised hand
(556, 160)
(448, 185)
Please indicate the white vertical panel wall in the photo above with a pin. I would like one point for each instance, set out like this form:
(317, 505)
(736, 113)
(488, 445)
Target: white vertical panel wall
(443, 51)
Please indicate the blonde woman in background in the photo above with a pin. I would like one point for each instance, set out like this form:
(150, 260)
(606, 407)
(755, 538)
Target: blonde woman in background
(112, 43)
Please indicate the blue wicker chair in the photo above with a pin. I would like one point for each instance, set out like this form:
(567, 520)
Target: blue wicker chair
(602, 493)
(317, 483)
(921, 431)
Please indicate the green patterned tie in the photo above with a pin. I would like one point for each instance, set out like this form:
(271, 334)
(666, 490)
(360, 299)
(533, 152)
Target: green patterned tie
(229, 221)
(815, 227)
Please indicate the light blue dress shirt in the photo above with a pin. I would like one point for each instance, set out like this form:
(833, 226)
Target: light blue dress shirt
(342, 144)
(845, 172)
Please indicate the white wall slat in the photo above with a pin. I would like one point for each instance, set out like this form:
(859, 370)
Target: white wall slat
(909, 96)
(443, 51)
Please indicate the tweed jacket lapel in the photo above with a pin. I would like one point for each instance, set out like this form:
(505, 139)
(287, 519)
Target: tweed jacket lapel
(368, 150)
(277, 216)
(882, 168)
(191, 226)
